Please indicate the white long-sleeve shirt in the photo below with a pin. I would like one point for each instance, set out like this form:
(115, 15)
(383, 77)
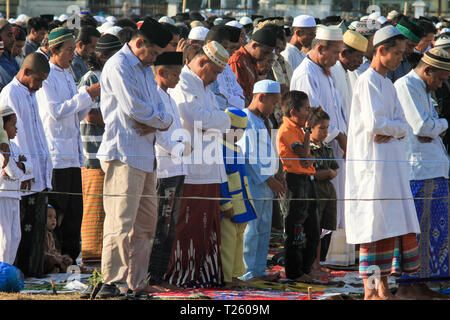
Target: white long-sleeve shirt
(427, 160)
(342, 84)
(30, 133)
(169, 150)
(293, 55)
(199, 112)
(61, 107)
(129, 96)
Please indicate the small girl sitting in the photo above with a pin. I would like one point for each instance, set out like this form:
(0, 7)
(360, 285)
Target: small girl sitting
(54, 261)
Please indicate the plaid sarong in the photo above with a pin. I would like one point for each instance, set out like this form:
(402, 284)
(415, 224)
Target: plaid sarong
(393, 256)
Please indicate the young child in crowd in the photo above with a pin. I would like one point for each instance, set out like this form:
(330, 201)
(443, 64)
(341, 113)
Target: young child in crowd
(10, 183)
(54, 261)
(301, 223)
(326, 170)
(239, 209)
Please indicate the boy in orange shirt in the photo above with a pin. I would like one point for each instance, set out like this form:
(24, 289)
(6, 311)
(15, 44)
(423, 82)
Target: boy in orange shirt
(301, 223)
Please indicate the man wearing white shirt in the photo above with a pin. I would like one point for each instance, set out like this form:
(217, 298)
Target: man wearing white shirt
(304, 31)
(429, 169)
(132, 111)
(19, 94)
(61, 108)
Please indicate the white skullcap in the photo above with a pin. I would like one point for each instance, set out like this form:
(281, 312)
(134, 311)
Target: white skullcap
(304, 21)
(63, 17)
(198, 33)
(219, 21)
(374, 15)
(385, 33)
(267, 86)
(100, 19)
(382, 20)
(329, 33)
(245, 20)
(364, 18)
(166, 19)
(111, 19)
(12, 20)
(234, 23)
(6, 111)
(21, 18)
(113, 30)
(105, 26)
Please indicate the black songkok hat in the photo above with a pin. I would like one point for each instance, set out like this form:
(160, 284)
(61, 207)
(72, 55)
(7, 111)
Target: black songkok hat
(169, 58)
(218, 33)
(155, 32)
(265, 36)
(235, 33)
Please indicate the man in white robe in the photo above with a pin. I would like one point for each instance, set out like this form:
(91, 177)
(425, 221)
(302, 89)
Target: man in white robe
(304, 31)
(380, 213)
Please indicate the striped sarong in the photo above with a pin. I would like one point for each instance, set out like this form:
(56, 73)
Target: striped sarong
(93, 215)
(432, 206)
(391, 256)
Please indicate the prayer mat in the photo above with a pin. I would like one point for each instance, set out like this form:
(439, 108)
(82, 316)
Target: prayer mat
(432, 208)
(392, 256)
(93, 215)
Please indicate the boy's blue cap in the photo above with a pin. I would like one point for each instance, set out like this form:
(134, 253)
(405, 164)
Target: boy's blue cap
(267, 86)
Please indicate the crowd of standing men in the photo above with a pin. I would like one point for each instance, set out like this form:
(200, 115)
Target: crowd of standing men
(168, 150)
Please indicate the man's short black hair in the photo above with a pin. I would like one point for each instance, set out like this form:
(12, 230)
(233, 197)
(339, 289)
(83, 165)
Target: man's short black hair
(36, 23)
(125, 22)
(86, 33)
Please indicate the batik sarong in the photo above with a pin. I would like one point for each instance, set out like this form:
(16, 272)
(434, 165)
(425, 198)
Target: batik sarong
(93, 215)
(432, 206)
(195, 260)
(389, 257)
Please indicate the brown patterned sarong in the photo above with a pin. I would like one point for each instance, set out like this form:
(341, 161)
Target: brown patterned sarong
(93, 215)
(196, 260)
(393, 256)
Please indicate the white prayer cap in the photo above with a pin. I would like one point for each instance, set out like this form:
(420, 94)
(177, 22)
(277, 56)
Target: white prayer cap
(438, 25)
(21, 18)
(444, 30)
(113, 30)
(234, 23)
(245, 20)
(374, 15)
(105, 26)
(111, 19)
(198, 33)
(100, 19)
(219, 21)
(166, 19)
(442, 42)
(304, 21)
(63, 17)
(353, 25)
(267, 86)
(6, 111)
(382, 20)
(329, 33)
(12, 20)
(216, 53)
(385, 33)
(364, 18)
(391, 15)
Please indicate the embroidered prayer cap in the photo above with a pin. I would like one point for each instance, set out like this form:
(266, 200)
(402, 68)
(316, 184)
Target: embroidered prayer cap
(366, 29)
(195, 24)
(108, 43)
(6, 111)
(238, 117)
(169, 58)
(198, 33)
(166, 19)
(438, 58)
(329, 33)
(304, 21)
(353, 25)
(235, 33)
(59, 35)
(355, 40)
(155, 32)
(234, 23)
(386, 33)
(245, 21)
(265, 36)
(267, 86)
(216, 53)
(410, 29)
(442, 42)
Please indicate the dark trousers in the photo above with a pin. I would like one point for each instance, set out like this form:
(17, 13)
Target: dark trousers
(301, 226)
(33, 222)
(169, 191)
(69, 209)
